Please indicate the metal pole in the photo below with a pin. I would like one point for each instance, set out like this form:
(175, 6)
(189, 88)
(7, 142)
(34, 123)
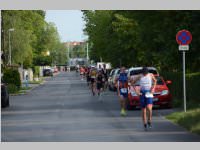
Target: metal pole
(68, 53)
(184, 83)
(87, 53)
(9, 48)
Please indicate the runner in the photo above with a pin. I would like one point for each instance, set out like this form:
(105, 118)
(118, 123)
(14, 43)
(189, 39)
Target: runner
(105, 79)
(93, 74)
(122, 89)
(77, 68)
(146, 95)
(88, 75)
(99, 80)
(82, 70)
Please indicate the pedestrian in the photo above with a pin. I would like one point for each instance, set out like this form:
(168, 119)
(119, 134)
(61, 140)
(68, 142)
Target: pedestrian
(146, 95)
(122, 90)
(26, 78)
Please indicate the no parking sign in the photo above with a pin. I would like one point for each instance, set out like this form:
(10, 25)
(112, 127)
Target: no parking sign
(184, 38)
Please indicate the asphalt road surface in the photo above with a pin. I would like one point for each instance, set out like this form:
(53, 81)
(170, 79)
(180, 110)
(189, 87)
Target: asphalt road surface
(64, 110)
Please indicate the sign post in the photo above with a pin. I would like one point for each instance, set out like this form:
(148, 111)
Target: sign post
(184, 38)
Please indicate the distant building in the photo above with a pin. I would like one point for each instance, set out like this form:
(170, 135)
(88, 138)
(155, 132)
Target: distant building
(75, 61)
(74, 43)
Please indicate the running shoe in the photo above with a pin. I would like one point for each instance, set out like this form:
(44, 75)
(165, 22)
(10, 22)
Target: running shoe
(145, 127)
(123, 112)
(93, 93)
(149, 125)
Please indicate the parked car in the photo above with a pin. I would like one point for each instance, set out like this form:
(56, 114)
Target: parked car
(114, 74)
(162, 95)
(4, 96)
(47, 72)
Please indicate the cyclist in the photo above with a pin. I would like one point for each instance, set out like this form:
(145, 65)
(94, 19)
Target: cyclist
(146, 95)
(122, 89)
(93, 74)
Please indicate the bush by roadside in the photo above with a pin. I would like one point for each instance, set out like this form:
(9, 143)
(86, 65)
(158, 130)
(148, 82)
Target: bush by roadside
(12, 78)
(176, 88)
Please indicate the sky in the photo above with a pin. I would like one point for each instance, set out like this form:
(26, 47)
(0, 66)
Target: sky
(69, 24)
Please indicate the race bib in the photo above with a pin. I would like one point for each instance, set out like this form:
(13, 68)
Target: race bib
(123, 90)
(148, 95)
(133, 93)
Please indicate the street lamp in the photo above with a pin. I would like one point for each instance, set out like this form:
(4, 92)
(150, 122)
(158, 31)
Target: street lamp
(10, 30)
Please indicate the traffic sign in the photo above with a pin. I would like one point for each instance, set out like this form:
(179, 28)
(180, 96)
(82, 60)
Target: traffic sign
(184, 37)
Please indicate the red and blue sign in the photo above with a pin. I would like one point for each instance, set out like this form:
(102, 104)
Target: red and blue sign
(183, 37)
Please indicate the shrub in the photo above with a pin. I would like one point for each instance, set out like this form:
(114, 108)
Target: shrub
(12, 88)
(12, 77)
(36, 71)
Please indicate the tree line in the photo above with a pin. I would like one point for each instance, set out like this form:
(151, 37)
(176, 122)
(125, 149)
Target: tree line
(142, 38)
(31, 39)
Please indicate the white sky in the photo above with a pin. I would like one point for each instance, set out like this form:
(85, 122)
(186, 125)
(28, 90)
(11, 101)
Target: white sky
(69, 24)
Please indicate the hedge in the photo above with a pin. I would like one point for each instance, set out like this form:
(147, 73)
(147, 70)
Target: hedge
(12, 78)
(176, 88)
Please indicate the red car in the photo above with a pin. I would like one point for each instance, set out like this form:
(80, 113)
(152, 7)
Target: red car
(162, 95)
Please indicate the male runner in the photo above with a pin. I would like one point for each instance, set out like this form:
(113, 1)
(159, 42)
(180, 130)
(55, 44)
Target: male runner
(122, 89)
(105, 79)
(146, 95)
(99, 80)
(93, 74)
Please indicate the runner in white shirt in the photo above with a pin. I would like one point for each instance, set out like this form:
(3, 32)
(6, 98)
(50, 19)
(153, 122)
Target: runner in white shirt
(146, 94)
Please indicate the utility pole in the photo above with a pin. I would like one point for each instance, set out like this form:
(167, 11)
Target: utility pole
(87, 54)
(68, 53)
(10, 30)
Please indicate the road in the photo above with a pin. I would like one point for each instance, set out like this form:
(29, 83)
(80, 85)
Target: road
(64, 110)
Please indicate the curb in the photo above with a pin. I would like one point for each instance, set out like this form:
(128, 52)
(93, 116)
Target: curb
(28, 91)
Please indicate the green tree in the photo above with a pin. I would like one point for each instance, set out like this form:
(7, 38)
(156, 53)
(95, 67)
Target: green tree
(138, 38)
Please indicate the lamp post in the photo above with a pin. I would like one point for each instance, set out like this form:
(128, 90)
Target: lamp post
(10, 30)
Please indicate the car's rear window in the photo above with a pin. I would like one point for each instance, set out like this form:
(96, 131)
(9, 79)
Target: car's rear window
(159, 81)
(139, 71)
(153, 71)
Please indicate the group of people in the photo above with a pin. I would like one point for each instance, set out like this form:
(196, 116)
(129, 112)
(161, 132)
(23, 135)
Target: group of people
(97, 79)
(146, 93)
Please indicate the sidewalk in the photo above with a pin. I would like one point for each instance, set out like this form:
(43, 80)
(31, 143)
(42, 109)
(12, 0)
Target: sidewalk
(32, 86)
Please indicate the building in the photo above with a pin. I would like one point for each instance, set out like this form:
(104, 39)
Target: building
(74, 57)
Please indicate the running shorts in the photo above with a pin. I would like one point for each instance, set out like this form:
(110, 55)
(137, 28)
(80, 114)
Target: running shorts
(144, 101)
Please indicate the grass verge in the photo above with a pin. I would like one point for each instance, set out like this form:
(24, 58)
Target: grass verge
(189, 120)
